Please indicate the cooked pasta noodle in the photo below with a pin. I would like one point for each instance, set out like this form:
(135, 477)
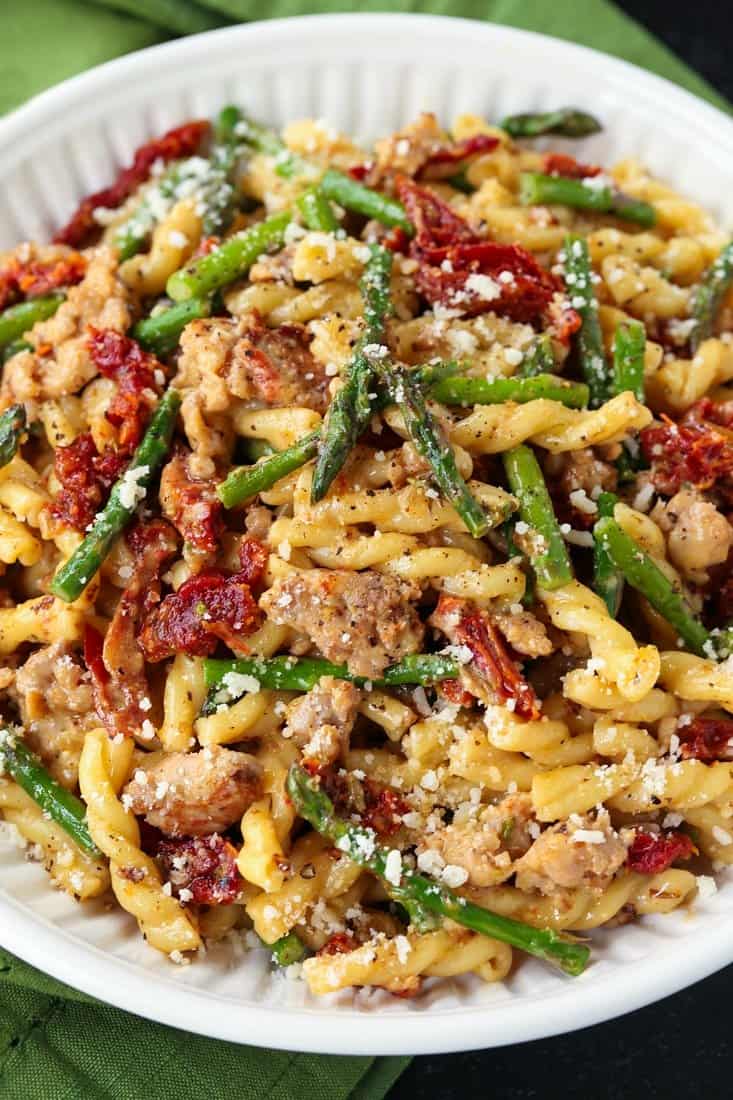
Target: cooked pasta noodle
(420, 580)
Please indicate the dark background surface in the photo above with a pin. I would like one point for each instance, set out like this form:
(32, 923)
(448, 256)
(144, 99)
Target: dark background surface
(682, 1046)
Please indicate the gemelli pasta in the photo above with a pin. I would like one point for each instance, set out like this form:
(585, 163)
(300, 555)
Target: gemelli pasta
(366, 533)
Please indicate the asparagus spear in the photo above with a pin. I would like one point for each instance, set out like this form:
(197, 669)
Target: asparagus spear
(566, 121)
(709, 295)
(579, 285)
(351, 408)
(417, 892)
(65, 808)
(287, 950)
(548, 555)
(540, 358)
(160, 332)
(641, 572)
(316, 211)
(12, 349)
(491, 391)
(607, 581)
(364, 200)
(210, 181)
(12, 427)
(628, 359)
(245, 481)
(303, 673)
(19, 319)
(230, 261)
(76, 572)
(287, 164)
(429, 441)
(537, 189)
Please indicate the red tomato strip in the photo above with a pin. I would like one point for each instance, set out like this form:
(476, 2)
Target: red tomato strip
(179, 142)
(652, 853)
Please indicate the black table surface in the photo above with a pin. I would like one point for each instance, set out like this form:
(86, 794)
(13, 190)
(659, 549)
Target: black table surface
(679, 1047)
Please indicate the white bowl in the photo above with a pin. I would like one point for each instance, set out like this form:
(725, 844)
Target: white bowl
(367, 74)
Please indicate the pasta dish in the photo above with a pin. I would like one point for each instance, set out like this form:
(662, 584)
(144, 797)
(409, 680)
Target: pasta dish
(366, 529)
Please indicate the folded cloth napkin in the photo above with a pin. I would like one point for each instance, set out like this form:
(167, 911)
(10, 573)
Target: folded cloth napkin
(56, 1043)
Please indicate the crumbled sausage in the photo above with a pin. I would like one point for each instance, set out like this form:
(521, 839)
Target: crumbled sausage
(195, 794)
(321, 721)
(584, 853)
(364, 619)
(60, 362)
(698, 535)
(56, 707)
(487, 847)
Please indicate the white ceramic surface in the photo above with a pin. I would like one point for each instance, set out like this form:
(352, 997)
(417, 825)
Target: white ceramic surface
(367, 74)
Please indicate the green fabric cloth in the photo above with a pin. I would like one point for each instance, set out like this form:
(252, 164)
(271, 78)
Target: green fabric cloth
(56, 1043)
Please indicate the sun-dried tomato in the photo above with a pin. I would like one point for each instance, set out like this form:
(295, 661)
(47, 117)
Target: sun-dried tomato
(561, 320)
(191, 504)
(652, 853)
(707, 739)
(384, 808)
(561, 164)
(445, 161)
(207, 608)
(86, 477)
(340, 943)
(116, 663)
(467, 625)
(182, 141)
(206, 866)
(33, 278)
(134, 372)
(693, 453)
(459, 270)
(455, 692)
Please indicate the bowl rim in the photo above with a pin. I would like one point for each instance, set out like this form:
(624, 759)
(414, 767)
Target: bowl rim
(124, 984)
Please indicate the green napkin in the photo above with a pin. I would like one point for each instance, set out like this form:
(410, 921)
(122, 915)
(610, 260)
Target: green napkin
(56, 1043)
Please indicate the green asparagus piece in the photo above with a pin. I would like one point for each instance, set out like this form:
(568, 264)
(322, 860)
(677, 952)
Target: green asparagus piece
(59, 804)
(607, 581)
(160, 332)
(548, 554)
(566, 121)
(429, 440)
(12, 427)
(628, 464)
(287, 950)
(229, 261)
(15, 321)
(12, 349)
(709, 294)
(316, 211)
(210, 181)
(416, 891)
(461, 182)
(513, 550)
(246, 481)
(539, 358)
(579, 286)
(255, 449)
(287, 164)
(351, 408)
(364, 200)
(537, 189)
(492, 391)
(641, 572)
(127, 493)
(130, 237)
(628, 359)
(303, 673)
(723, 641)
